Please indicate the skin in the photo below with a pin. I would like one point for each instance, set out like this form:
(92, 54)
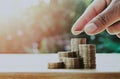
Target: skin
(99, 16)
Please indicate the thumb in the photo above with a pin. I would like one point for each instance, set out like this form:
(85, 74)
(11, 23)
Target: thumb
(103, 20)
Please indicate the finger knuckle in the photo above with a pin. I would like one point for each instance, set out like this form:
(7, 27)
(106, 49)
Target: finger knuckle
(109, 30)
(116, 7)
(102, 20)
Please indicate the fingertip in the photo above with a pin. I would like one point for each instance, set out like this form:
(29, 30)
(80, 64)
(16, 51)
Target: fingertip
(110, 31)
(118, 35)
(78, 25)
(74, 31)
(114, 29)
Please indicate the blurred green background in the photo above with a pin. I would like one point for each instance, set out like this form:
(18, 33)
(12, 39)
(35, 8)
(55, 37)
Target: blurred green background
(73, 10)
(44, 26)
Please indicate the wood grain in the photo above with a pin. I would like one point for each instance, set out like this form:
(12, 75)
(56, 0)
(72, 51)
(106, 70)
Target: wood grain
(59, 76)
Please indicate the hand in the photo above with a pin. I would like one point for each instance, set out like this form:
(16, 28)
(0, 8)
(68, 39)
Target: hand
(100, 15)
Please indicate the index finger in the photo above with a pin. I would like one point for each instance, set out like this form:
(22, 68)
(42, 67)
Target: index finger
(93, 10)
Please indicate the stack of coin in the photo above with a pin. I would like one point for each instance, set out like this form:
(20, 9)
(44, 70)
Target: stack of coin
(88, 52)
(81, 63)
(70, 59)
(72, 63)
(81, 56)
(64, 54)
(56, 65)
(75, 44)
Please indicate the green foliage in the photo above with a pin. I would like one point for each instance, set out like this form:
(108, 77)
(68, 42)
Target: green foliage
(107, 43)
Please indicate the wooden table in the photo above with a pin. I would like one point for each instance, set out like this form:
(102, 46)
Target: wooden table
(34, 66)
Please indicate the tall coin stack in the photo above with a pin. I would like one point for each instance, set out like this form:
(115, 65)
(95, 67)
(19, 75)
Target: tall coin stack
(88, 54)
(75, 44)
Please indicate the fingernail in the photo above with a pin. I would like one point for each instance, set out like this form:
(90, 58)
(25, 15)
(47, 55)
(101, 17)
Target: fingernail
(90, 28)
(74, 32)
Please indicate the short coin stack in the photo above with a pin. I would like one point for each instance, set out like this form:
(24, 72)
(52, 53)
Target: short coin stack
(56, 65)
(66, 54)
(81, 56)
(72, 63)
(70, 59)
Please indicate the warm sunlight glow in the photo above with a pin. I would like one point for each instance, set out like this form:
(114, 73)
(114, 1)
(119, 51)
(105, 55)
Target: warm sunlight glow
(14, 8)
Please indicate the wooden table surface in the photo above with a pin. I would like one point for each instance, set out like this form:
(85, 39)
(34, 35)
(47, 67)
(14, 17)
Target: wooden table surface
(34, 66)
